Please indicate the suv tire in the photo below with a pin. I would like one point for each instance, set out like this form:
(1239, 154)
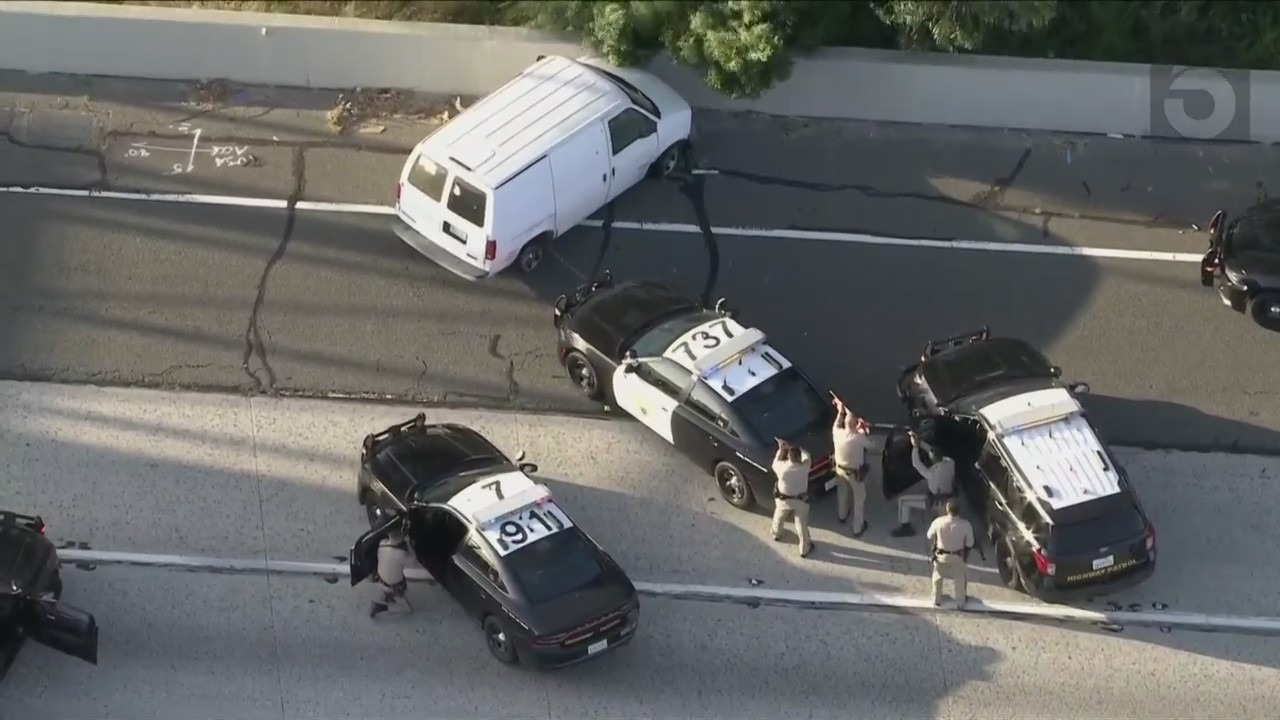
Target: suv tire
(1264, 308)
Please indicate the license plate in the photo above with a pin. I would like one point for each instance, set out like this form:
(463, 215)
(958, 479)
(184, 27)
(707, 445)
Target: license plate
(1105, 562)
(594, 648)
(831, 483)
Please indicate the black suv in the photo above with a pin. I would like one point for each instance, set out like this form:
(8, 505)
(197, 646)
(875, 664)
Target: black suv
(30, 589)
(1053, 500)
(1243, 262)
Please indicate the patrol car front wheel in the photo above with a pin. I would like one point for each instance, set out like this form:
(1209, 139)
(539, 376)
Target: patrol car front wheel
(734, 487)
(582, 374)
(1264, 308)
(499, 642)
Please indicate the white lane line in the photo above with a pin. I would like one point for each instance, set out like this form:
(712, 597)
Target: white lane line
(746, 596)
(676, 228)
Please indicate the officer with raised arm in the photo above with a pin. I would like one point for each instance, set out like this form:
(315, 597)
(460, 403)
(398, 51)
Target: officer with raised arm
(850, 436)
(393, 558)
(951, 538)
(791, 493)
(940, 477)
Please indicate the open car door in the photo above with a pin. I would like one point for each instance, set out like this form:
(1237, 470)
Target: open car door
(363, 557)
(66, 629)
(1211, 260)
(898, 475)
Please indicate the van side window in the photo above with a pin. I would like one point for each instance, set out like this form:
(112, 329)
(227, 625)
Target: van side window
(631, 125)
(467, 202)
(428, 178)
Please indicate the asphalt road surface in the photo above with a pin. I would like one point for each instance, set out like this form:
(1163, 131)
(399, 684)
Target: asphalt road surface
(210, 475)
(264, 300)
(182, 646)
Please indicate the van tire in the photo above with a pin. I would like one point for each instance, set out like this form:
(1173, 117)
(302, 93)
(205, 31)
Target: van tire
(1260, 309)
(673, 160)
(530, 256)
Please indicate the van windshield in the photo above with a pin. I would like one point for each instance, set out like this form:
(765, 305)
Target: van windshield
(428, 177)
(467, 202)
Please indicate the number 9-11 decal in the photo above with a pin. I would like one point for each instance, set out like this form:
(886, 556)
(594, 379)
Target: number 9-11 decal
(528, 526)
(702, 341)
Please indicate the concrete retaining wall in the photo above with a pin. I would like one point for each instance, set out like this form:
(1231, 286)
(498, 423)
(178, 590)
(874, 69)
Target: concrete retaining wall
(162, 43)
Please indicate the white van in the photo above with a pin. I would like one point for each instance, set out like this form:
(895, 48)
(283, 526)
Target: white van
(491, 187)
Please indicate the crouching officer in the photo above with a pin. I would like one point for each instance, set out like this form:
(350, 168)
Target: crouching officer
(951, 539)
(791, 494)
(850, 437)
(393, 558)
(940, 479)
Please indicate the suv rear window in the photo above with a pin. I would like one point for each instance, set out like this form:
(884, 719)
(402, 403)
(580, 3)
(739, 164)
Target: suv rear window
(428, 177)
(467, 202)
(1084, 537)
(554, 566)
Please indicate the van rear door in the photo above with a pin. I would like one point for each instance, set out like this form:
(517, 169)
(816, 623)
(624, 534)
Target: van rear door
(450, 212)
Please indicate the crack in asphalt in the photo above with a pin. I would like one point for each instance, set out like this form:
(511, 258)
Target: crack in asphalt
(254, 345)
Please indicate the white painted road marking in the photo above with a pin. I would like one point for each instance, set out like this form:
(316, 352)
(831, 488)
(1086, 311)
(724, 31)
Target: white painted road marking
(678, 228)
(799, 599)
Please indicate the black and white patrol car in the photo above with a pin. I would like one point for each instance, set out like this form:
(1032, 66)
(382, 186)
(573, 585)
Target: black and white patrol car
(544, 593)
(30, 596)
(1055, 503)
(716, 390)
(1243, 262)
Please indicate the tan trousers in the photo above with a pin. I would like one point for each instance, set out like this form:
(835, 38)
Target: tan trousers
(848, 488)
(797, 510)
(955, 569)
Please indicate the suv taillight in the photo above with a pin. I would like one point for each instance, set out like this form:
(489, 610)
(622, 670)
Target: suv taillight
(490, 249)
(1151, 538)
(1044, 565)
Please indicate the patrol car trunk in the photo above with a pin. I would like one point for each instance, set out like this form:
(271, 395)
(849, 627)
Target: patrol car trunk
(577, 617)
(1098, 548)
(816, 440)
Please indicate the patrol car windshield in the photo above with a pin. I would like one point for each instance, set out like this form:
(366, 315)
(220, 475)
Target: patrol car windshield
(783, 406)
(1084, 537)
(656, 340)
(554, 566)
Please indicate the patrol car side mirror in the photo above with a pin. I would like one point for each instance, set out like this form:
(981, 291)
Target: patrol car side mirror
(520, 456)
(722, 307)
(629, 362)
(528, 468)
(1079, 388)
(1055, 371)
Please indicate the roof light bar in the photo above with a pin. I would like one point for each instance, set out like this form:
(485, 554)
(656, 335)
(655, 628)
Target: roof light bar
(731, 350)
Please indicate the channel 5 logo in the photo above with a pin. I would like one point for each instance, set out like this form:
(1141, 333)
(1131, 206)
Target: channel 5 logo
(1200, 103)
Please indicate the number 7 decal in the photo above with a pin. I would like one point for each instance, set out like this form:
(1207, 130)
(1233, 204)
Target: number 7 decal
(724, 328)
(496, 487)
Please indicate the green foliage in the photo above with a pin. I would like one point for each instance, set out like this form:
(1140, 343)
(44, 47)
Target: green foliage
(962, 24)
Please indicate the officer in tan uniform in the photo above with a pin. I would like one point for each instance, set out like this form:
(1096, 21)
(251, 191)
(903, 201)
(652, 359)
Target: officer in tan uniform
(951, 539)
(850, 437)
(393, 557)
(791, 494)
(939, 478)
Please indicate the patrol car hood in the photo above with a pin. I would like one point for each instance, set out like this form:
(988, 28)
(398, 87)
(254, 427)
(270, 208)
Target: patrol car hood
(572, 610)
(816, 439)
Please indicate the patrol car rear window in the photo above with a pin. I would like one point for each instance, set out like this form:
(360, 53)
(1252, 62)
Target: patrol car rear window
(428, 177)
(467, 202)
(783, 406)
(554, 566)
(656, 341)
(1085, 537)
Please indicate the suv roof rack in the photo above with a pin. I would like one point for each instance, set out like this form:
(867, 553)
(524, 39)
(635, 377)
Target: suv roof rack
(418, 421)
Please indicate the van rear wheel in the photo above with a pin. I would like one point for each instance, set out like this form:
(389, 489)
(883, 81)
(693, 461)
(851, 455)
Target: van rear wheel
(1264, 308)
(531, 255)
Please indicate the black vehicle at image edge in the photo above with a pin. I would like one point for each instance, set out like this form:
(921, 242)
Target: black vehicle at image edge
(714, 389)
(544, 593)
(30, 596)
(1055, 503)
(1243, 262)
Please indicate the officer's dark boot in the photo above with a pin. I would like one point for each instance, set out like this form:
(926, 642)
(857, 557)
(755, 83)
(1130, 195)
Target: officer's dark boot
(903, 530)
(377, 608)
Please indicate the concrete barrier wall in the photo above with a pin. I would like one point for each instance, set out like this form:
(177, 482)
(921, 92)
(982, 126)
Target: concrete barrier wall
(1070, 96)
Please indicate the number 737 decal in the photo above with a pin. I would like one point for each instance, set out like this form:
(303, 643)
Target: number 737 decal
(703, 340)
